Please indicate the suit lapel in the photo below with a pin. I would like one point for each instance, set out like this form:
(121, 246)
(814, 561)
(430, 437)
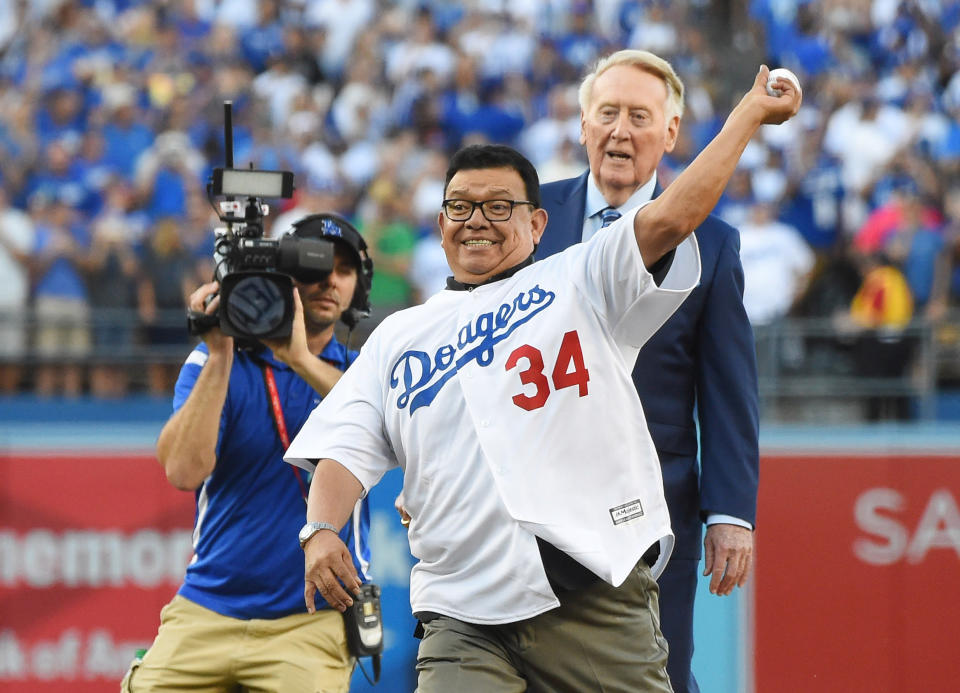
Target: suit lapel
(565, 225)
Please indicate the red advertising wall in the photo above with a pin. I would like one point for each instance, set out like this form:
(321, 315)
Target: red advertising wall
(91, 547)
(857, 584)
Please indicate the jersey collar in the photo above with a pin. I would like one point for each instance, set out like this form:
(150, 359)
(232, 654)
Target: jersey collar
(454, 285)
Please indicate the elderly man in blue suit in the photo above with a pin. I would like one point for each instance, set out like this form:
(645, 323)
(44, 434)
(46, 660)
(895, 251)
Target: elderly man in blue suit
(700, 368)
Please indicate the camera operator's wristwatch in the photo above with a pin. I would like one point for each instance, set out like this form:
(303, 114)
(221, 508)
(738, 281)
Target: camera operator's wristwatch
(311, 528)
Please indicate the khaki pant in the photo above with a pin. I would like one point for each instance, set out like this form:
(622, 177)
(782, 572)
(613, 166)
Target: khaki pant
(199, 650)
(601, 639)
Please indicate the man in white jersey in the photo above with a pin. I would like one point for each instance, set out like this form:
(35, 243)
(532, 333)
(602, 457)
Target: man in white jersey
(531, 479)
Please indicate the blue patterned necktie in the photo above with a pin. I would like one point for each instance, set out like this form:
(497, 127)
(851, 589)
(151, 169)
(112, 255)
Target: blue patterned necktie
(608, 216)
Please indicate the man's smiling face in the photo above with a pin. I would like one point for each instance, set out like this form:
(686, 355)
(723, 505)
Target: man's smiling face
(477, 248)
(626, 130)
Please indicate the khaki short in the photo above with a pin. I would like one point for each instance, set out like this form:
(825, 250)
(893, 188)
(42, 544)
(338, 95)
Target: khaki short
(197, 649)
(601, 638)
(63, 327)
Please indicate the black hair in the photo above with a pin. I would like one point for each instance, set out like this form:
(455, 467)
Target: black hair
(477, 156)
(334, 227)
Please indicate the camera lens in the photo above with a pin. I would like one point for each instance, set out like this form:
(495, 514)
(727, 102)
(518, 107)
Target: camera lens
(256, 305)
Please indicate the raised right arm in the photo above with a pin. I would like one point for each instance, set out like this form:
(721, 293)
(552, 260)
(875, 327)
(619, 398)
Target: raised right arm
(663, 224)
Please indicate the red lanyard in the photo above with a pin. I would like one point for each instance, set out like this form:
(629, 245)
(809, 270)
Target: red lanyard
(278, 419)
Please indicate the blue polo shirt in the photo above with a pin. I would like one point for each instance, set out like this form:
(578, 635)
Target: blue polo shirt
(247, 561)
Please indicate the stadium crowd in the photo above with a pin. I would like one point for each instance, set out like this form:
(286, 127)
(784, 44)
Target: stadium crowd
(111, 120)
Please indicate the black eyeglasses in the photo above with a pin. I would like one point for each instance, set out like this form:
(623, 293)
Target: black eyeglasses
(493, 210)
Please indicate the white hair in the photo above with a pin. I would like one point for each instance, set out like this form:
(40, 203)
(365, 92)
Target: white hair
(646, 61)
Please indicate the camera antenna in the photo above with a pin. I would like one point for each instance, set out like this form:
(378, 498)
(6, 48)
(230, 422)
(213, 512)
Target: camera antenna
(228, 133)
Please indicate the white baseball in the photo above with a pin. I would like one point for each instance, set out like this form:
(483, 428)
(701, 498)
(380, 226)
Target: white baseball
(784, 73)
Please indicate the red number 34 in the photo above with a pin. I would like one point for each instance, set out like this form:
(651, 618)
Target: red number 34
(568, 371)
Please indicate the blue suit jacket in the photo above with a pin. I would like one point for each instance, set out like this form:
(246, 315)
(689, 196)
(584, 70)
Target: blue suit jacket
(704, 356)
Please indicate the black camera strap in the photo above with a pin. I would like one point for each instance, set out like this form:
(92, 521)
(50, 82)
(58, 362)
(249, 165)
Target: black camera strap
(278, 421)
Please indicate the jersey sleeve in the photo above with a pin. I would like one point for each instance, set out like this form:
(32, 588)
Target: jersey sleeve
(615, 281)
(348, 424)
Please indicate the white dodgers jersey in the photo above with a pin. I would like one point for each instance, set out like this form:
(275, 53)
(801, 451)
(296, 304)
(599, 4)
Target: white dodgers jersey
(512, 411)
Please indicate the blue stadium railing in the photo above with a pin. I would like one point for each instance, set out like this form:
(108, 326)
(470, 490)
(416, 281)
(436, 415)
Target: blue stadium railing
(809, 369)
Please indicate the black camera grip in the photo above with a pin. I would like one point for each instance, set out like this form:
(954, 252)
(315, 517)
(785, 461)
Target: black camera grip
(199, 322)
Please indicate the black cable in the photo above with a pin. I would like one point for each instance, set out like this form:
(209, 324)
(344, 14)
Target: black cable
(376, 670)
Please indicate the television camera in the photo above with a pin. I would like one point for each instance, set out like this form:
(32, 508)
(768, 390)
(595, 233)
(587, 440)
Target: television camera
(255, 273)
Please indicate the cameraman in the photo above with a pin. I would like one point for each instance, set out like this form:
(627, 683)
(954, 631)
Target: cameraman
(238, 619)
